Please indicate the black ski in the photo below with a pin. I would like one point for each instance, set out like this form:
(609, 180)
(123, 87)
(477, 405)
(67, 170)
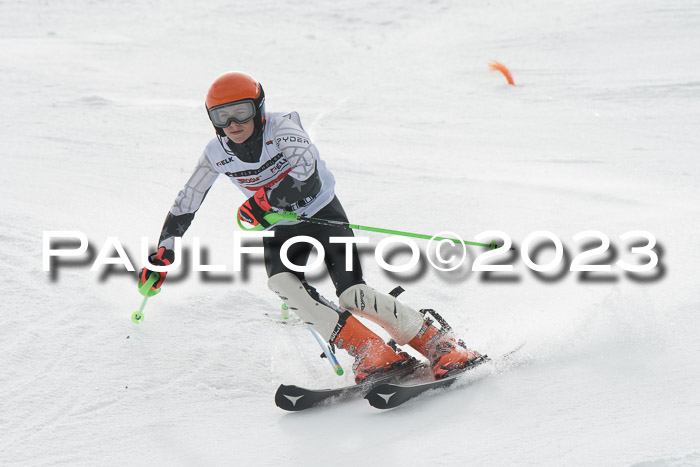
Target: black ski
(295, 398)
(387, 395)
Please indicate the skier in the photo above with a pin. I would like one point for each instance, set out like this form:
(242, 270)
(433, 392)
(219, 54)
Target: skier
(272, 160)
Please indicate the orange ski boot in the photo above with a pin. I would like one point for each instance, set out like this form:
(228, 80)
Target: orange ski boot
(447, 355)
(372, 355)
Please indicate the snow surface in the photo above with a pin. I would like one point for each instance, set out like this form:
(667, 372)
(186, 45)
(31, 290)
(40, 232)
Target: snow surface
(103, 121)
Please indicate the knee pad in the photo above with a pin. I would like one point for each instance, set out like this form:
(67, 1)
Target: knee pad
(400, 321)
(308, 305)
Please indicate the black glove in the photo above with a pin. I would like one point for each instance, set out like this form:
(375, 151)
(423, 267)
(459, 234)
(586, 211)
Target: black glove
(163, 257)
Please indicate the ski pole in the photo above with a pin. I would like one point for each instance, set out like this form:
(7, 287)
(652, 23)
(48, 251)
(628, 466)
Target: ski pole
(274, 217)
(145, 290)
(329, 355)
(314, 220)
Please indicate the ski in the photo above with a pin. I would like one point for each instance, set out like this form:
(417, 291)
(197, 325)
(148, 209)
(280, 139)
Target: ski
(295, 398)
(388, 395)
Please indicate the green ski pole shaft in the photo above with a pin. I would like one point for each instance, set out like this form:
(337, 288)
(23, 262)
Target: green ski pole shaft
(314, 220)
(273, 217)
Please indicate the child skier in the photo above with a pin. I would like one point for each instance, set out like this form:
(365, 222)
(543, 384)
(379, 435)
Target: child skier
(272, 160)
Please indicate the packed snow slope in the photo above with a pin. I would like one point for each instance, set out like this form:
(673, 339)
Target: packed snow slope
(103, 120)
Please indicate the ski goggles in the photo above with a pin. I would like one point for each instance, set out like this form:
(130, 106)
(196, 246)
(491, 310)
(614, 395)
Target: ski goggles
(240, 112)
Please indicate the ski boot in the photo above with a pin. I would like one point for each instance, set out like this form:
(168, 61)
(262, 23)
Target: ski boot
(447, 355)
(373, 357)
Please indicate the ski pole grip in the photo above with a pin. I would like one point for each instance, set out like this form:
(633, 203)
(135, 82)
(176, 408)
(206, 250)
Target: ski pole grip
(271, 218)
(145, 289)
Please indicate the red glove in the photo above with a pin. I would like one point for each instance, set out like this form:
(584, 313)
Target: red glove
(253, 210)
(163, 257)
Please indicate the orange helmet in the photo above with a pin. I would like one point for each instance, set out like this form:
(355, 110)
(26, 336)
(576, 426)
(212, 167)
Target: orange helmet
(239, 88)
